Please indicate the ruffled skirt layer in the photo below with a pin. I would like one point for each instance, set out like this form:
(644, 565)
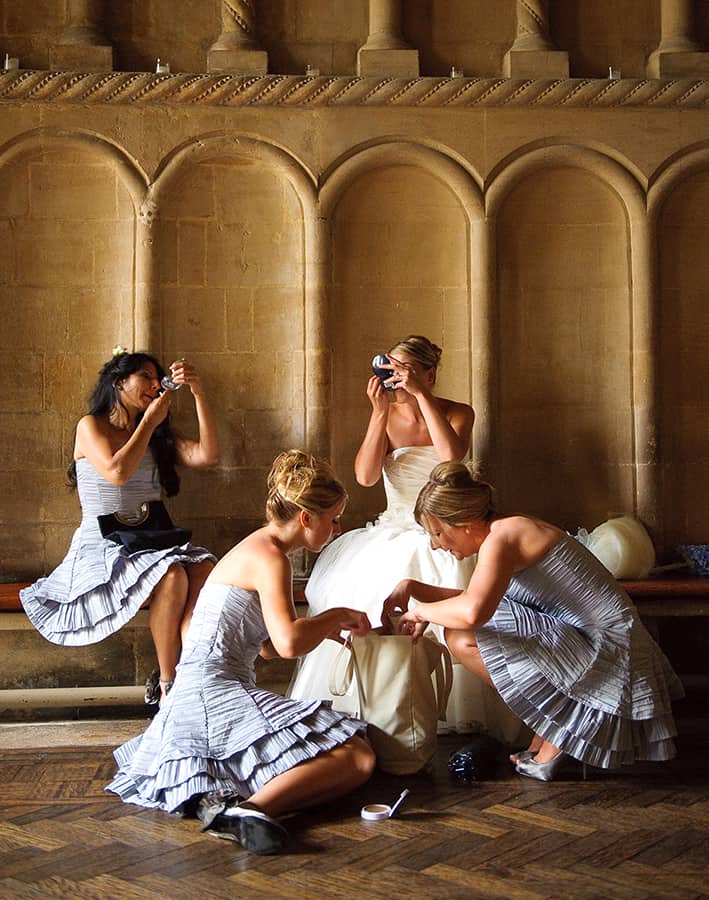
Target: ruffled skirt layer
(98, 588)
(177, 759)
(590, 726)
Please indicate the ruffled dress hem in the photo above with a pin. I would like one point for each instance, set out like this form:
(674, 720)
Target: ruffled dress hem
(174, 779)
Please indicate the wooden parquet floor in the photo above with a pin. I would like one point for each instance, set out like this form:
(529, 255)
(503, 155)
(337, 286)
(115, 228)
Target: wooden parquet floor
(639, 833)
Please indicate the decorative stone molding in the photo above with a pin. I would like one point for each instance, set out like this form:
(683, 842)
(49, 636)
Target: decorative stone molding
(386, 52)
(83, 45)
(236, 49)
(678, 54)
(146, 88)
(533, 54)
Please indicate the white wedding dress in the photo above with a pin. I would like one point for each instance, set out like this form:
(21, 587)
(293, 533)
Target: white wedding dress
(360, 569)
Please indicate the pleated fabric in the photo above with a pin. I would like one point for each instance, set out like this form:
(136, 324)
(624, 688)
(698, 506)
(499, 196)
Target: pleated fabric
(567, 651)
(216, 729)
(99, 586)
(361, 568)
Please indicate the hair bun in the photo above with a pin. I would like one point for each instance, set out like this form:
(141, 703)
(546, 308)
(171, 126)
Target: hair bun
(452, 474)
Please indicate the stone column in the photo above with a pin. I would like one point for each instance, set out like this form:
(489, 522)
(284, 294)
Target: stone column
(678, 54)
(386, 53)
(82, 45)
(533, 54)
(236, 49)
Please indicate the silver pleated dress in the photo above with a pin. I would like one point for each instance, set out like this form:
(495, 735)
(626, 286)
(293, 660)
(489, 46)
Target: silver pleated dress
(99, 586)
(216, 729)
(568, 653)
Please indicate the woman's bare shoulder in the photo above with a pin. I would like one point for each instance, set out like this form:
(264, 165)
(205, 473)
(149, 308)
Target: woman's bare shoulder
(532, 537)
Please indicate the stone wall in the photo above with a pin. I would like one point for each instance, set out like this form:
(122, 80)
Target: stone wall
(548, 232)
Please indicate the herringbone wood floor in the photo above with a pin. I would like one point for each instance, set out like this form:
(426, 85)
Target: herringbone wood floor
(639, 833)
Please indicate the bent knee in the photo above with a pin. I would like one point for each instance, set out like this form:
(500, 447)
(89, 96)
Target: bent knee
(176, 577)
(459, 641)
(363, 758)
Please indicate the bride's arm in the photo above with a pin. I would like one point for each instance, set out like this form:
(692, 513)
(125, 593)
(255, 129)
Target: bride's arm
(449, 423)
(450, 435)
(375, 444)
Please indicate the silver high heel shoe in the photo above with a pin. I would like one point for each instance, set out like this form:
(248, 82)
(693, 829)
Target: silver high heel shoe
(522, 755)
(541, 771)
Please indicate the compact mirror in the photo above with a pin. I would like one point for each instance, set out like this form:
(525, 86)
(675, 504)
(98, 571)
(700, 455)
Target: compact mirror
(382, 374)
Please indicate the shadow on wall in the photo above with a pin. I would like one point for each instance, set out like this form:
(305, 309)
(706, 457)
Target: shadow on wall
(230, 272)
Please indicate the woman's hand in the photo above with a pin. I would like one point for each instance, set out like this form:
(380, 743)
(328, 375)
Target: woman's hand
(157, 410)
(412, 623)
(377, 395)
(354, 621)
(396, 603)
(407, 377)
(183, 372)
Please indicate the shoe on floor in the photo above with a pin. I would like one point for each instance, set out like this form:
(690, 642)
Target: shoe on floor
(253, 829)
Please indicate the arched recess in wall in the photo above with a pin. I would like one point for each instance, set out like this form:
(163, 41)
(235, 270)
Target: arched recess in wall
(67, 254)
(236, 293)
(678, 204)
(406, 251)
(573, 394)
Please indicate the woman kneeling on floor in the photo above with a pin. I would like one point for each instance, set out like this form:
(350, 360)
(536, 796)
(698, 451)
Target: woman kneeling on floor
(546, 624)
(237, 755)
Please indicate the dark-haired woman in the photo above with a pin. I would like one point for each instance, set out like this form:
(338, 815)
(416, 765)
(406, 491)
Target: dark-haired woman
(545, 623)
(125, 455)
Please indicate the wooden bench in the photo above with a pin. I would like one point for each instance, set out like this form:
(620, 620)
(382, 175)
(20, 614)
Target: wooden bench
(657, 597)
(654, 597)
(10, 596)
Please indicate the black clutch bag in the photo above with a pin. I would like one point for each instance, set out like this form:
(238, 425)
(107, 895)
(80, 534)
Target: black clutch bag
(150, 529)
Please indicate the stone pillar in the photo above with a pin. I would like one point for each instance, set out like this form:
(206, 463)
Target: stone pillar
(147, 317)
(533, 54)
(386, 53)
(678, 54)
(236, 49)
(82, 45)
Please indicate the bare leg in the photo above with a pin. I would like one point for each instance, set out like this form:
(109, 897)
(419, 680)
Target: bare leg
(197, 574)
(318, 780)
(464, 647)
(167, 609)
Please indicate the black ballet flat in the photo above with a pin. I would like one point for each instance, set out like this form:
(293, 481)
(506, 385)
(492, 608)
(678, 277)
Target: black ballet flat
(254, 830)
(152, 687)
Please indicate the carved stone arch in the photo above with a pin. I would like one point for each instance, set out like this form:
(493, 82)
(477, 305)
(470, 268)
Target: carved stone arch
(464, 181)
(290, 169)
(677, 204)
(686, 164)
(387, 280)
(237, 145)
(643, 404)
(133, 176)
(622, 178)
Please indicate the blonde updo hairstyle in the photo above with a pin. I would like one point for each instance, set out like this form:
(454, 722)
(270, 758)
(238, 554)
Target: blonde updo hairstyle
(299, 481)
(420, 350)
(454, 495)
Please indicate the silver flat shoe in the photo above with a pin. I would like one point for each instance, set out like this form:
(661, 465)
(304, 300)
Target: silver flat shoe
(541, 771)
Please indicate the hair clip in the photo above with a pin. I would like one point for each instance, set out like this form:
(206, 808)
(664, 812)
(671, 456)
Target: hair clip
(118, 350)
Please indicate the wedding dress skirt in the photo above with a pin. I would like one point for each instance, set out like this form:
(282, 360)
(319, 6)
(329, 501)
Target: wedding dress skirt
(360, 569)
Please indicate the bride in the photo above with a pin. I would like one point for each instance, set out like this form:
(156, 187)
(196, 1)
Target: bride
(410, 431)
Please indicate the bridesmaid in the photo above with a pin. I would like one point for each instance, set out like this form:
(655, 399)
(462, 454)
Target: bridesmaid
(126, 455)
(548, 626)
(241, 755)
